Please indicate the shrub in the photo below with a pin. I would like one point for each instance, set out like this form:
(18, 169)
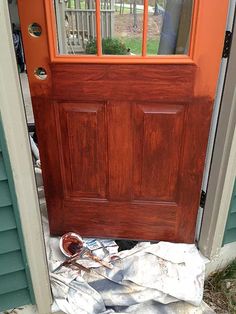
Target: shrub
(110, 46)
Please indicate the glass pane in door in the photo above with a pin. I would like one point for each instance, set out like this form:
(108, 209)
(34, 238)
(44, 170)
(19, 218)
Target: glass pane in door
(168, 29)
(169, 24)
(76, 26)
(122, 27)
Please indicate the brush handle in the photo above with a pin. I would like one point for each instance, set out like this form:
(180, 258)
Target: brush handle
(98, 260)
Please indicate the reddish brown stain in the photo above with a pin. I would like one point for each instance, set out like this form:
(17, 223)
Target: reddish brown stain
(123, 145)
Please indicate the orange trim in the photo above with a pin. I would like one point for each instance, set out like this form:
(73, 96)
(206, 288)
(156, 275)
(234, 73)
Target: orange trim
(36, 49)
(98, 28)
(178, 59)
(51, 28)
(193, 27)
(145, 28)
(208, 44)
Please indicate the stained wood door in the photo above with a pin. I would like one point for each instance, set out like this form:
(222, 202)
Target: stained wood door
(123, 142)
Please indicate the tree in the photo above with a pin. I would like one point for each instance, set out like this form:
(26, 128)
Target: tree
(135, 25)
(161, 3)
(156, 8)
(122, 6)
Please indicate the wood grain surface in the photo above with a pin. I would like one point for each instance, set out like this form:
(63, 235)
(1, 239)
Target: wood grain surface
(123, 140)
(124, 168)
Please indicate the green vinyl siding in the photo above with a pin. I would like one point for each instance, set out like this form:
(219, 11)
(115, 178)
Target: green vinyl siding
(3, 175)
(5, 199)
(15, 282)
(9, 241)
(7, 219)
(230, 229)
(13, 262)
(16, 298)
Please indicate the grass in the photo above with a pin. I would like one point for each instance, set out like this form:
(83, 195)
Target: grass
(135, 45)
(220, 290)
(117, 46)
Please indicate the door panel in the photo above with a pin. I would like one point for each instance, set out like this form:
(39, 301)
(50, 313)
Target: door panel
(119, 219)
(120, 150)
(127, 82)
(82, 130)
(158, 139)
(123, 140)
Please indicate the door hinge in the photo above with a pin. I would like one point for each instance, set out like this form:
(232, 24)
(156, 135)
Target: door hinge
(227, 44)
(203, 199)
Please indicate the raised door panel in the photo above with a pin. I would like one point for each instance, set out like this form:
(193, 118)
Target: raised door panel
(82, 133)
(157, 151)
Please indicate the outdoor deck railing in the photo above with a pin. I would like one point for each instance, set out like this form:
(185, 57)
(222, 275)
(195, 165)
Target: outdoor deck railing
(77, 25)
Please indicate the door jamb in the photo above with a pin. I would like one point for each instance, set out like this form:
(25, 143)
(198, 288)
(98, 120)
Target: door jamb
(215, 118)
(223, 169)
(17, 140)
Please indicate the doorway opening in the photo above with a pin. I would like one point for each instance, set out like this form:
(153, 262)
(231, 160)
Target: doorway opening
(41, 72)
(77, 15)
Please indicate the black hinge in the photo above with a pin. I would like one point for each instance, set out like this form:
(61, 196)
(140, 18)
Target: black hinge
(203, 199)
(227, 44)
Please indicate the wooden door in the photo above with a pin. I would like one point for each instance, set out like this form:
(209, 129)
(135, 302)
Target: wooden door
(123, 140)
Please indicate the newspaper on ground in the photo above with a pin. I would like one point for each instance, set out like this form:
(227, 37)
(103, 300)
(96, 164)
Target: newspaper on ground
(146, 278)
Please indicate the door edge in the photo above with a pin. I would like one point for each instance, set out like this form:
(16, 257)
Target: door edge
(21, 163)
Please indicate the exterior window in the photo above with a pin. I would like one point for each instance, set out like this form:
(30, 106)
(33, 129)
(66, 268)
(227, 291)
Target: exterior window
(123, 27)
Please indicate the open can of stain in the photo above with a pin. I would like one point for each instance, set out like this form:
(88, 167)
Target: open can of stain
(71, 243)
